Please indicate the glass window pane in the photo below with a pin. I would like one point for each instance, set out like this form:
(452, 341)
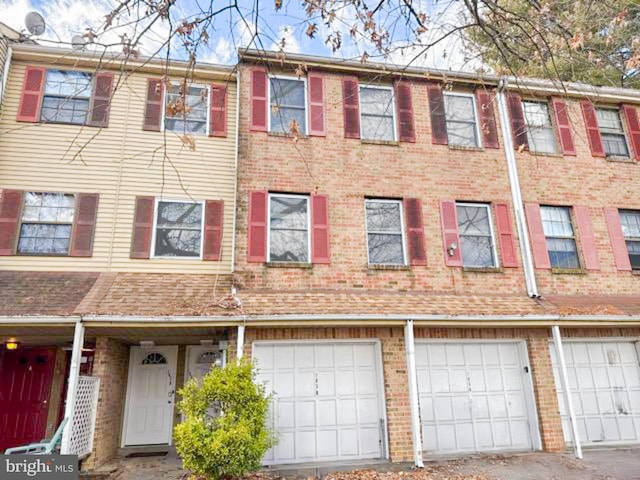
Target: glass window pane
(630, 221)
(615, 145)
(563, 253)
(556, 221)
(179, 214)
(462, 134)
(376, 101)
(377, 128)
(536, 114)
(473, 220)
(476, 251)
(383, 216)
(68, 83)
(282, 119)
(385, 249)
(459, 108)
(287, 92)
(64, 110)
(175, 242)
(542, 140)
(288, 246)
(44, 238)
(608, 119)
(289, 229)
(634, 254)
(289, 212)
(182, 126)
(186, 109)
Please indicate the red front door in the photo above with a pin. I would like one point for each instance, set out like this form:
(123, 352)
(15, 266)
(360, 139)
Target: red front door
(25, 385)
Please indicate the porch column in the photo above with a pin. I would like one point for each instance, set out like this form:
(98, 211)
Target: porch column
(412, 379)
(72, 388)
(240, 342)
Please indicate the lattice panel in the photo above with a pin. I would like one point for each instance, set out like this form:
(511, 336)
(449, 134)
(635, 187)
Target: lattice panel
(84, 418)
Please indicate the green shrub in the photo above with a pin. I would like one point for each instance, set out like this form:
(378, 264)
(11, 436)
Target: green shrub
(232, 443)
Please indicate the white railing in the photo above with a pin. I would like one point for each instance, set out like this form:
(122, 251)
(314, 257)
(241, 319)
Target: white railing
(84, 416)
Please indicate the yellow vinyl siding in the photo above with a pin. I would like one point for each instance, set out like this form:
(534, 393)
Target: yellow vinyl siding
(118, 162)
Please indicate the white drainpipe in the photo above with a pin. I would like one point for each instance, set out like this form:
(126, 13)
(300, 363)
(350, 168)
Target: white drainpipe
(240, 342)
(72, 388)
(414, 404)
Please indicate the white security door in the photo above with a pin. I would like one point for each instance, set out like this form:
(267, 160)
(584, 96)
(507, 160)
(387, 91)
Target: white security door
(328, 402)
(604, 379)
(150, 395)
(474, 396)
(201, 359)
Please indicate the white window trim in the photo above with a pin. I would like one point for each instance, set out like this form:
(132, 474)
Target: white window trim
(288, 195)
(164, 110)
(306, 99)
(552, 126)
(394, 113)
(402, 229)
(475, 115)
(623, 130)
(155, 229)
(573, 236)
(494, 247)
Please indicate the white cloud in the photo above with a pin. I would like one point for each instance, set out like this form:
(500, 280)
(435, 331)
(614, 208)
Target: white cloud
(286, 40)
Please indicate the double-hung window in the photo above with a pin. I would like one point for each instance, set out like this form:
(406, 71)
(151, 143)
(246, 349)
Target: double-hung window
(385, 232)
(289, 239)
(67, 95)
(477, 243)
(612, 132)
(630, 221)
(462, 119)
(540, 133)
(560, 238)
(178, 229)
(187, 109)
(46, 223)
(287, 104)
(377, 113)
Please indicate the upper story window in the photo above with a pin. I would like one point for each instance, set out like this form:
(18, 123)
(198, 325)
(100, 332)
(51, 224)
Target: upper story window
(385, 232)
(186, 109)
(46, 223)
(612, 132)
(462, 119)
(540, 132)
(178, 229)
(67, 95)
(289, 239)
(377, 113)
(287, 105)
(560, 238)
(476, 235)
(630, 221)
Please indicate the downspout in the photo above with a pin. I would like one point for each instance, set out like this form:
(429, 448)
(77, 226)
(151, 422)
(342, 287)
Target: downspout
(414, 404)
(235, 183)
(72, 387)
(5, 75)
(240, 342)
(521, 222)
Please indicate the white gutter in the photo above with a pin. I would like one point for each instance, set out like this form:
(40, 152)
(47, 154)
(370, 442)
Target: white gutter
(412, 378)
(35, 319)
(72, 388)
(5, 75)
(235, 183)
(514, 181)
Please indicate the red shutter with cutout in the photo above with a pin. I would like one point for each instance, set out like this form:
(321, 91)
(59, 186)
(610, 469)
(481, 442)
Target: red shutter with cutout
(450, 237)
(317, 120)
(153, 108)
(563, 125)
(10, 207)
(506, 238)
(142, 227)
(593, 131)
(351, 109)
(213, 222)
(518, 125)
(32, 93)
(415, 231)
(438, 116)
(587, 239)
(633, 127)
(259, 100)
(536, 235)
(487, 118)
(320, 250)
(257, 230)
(84, 225)
(218, 113)
(616, 236)
(406, 126)
(100, 99)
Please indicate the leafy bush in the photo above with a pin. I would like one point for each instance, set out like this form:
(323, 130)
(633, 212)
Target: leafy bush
(233, 442)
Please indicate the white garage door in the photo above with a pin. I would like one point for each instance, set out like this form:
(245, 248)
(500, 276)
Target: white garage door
(475, 397)
(328, 402)
(604, 379)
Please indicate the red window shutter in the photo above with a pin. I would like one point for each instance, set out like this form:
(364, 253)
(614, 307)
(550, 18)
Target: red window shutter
(593, 132)
(438, 117)
(415, 231)
(518, 125)
(100, 99)
(213, 222)
(633, 127)
(506, 238)
(257, 235)
(218, 113)
(536, 235)
(616, 236)
(587, 239)
(84, 225)
(32, 92)
(563, 125)
(259, 100)
(351, 110)
(449, 217)
(487, 118)
(142, 227)
(10, 207)
(316, 105)
(320, 249)
(406, 126)
(153, 109)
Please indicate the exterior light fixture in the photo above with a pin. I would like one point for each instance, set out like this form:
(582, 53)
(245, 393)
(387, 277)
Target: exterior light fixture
(147, 344)
(12, 344)
(452, 249)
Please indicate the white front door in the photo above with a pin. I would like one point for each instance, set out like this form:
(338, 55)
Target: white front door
(150, 395)
(201, 359)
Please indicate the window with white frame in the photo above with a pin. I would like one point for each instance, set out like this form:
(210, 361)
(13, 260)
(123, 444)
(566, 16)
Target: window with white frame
(630, 221)
(560, 238)
(178, 229)
(462, 119)
(186, 109)
(46, 223)
(475, 229)
(385, 232)
(377, 121)
(289, 239)
(612, 132)
(67, 95)
(287, 105)
(540, 132)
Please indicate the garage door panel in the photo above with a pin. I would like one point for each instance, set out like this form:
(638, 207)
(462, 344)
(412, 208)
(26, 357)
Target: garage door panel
(473, 354)
(284, 420)
(494, 380)
(477, 380)
(366, 382)
(343, 355)
(345, 382)
(456, 380)
(304, 356)
(348, 413)
(284, 383)
(368, 410)
(305, 383)
(436, 355)
(305, 445)
(426, 409)
(480, 408)
(327, 413)
(305, 413)
(443, 409)
(348, 442)
(326, 383)
(464, 433)
(509, 354)
(490, 355)
(502, 434)
(516, 406)
(285, 448)
(497, 406)
(364, 355)
(484, 435)
(369, 444)
(284, 356)
(461, 410)
(520, 432)
(455, 355)
(630, 377)
(327, 441)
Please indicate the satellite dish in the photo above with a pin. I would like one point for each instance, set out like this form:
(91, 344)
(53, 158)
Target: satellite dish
(35, 23)
(78, 42)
